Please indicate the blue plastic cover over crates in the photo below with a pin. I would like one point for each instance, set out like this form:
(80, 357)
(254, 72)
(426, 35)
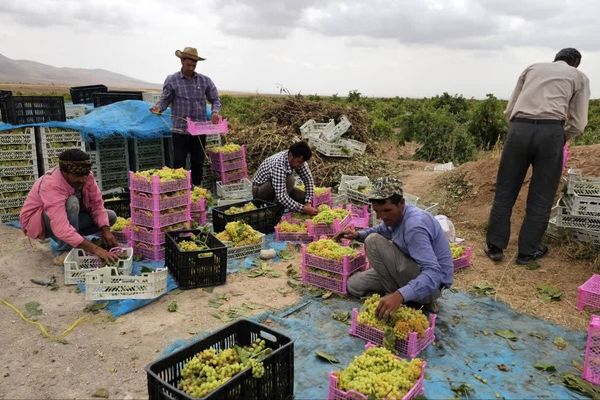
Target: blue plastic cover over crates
(18, 110)
(102, 99)
(84, 94)
(263, 219)
(193, 269)
(164, 376)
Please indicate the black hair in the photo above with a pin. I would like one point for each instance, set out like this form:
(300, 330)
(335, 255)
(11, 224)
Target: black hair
(301, 149)
(394, 199)
(73, 155)
(569, 55)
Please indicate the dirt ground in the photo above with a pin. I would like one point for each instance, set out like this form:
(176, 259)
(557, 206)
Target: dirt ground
(111, 354)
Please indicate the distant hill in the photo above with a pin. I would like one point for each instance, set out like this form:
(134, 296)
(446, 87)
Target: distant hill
(31, 72)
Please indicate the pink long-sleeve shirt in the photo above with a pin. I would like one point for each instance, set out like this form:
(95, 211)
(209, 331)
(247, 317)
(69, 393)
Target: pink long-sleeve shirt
(49, 195)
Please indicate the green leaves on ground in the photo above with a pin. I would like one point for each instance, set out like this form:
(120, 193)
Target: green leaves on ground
(342, 316)
(218, 300)
(327, 357)
(95, 308)
(560, 342)
(544, 367)
(507, 334)
(482, 288)
(172, 307)
(532, 266)
(579, 385)
(32, 309)
(548, 293)
(262, 269)
(464, 390)
(285, 255)
(236, 312)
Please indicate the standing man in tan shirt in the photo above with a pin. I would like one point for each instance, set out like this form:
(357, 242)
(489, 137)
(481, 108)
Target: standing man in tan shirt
(548, 107)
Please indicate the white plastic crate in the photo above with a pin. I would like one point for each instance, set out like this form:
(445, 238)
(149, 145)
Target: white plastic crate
(586, 236)
(332, 149)
(582, 185)
(236, 190)
(18, 136)
(12, 202)
(108, 284)
(312, 129)
(78, 263)
(16, 186)
(583, 205)
(54, 135)
(566, 220)
(151, 97)
(357, 147)
(75, 110)
(8, 217)
(333, 134)
(226, 202)
(234, 253)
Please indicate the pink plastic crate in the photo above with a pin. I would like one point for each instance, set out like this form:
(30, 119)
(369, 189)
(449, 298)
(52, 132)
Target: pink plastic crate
(234, 176)
(199, 217)
(318, 230)
(148, 251)
(157, 219)
(196, 128)
(324, 198)
(334, 393)
(229, 165)
(292, 236)
(220, 158)
(155, 185)
(464, 260)
(346, 266)
(591, 360)
(360, 215)
(124, 237)
(409, 348)
(148, 235)
(337, 285)
(588, 294)
(149, 201)
(199, 206)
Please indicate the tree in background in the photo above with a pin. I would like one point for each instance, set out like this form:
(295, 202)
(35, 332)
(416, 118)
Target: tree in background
(488, 125)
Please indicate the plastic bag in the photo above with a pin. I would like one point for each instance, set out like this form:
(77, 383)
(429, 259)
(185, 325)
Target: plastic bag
(447, 227)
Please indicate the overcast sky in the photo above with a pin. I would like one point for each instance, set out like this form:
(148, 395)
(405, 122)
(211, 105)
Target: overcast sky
(406, 48)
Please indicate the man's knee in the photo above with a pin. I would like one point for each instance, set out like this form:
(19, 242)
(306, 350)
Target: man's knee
(112, 217)
(373, 241)
(355, 287)
(72, 205)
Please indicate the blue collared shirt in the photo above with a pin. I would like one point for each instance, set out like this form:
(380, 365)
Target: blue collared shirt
(420, 237)
(187, 98)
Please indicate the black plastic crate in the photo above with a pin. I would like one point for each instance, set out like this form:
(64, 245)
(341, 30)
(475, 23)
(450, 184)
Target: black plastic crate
(119, 203)
(19, 110)
(277, 383)
(188, 268)
(84, 94)
(263, 219)
(102, 99)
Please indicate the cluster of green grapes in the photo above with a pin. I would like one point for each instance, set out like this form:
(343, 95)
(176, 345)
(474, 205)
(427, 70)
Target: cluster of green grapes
(327, 214)
(286, 226)
(404, 320)
(191, 245)
(164, 174)
(377, 373)
(168, 211)
(120, 224)
(210, 368)
(228, 148)
(240, 233)
(238, 210)
(62, 145)
(169, 195)
(318, 190)
(364, 189)
(456, 250)
(7, 147)
(322, 272)
(198, 192)
(328, 248)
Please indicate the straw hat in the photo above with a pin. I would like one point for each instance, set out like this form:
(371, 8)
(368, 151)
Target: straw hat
(189, 52)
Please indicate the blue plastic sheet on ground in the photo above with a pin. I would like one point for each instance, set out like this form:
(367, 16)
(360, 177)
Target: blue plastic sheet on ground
(465, 346)
(129, 118)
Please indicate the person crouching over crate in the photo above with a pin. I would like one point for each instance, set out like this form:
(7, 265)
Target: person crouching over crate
(408, 252)
(66, 204)
(274, 180)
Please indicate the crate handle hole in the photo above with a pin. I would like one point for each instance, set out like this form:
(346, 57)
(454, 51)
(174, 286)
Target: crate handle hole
(268, 336)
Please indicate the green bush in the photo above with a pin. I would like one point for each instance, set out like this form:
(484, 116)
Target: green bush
(488, 125)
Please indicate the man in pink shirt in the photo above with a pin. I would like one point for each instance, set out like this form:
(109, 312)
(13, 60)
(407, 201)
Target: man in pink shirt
(66, 204)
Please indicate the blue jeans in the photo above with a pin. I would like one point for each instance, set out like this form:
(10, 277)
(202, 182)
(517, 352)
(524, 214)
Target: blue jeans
(80, 220)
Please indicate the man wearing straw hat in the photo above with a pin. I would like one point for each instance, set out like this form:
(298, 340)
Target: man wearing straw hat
(408, 251)
(66, 204)
(187, 91)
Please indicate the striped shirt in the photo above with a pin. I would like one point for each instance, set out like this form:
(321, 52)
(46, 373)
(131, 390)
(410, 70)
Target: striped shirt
(276, 169)
(187, 98)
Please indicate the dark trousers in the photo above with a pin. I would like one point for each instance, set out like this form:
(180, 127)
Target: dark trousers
(540, 146)
(267, 193)
(184, 144)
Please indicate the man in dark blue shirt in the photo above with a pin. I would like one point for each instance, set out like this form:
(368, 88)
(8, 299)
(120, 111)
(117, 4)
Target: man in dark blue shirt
(408, 251)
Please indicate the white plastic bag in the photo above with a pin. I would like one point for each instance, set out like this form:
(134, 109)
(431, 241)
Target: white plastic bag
(447, 227)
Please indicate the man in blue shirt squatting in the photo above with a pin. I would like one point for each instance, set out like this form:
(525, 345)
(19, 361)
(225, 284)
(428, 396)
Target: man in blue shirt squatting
(408, 251)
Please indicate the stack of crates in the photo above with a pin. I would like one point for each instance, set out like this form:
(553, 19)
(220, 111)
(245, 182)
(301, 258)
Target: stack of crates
(231, 170)
(18, 170)
(146, 154)
(209, 179)
(52, 142)
(157, 207)
(110, 162)
(579, 210)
